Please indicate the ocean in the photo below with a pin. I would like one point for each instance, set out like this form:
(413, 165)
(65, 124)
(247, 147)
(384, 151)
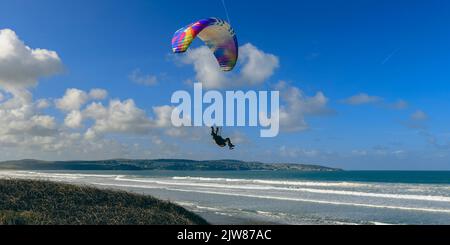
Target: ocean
(283, 197)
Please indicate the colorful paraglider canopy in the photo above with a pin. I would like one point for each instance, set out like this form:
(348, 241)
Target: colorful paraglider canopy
(217, 35)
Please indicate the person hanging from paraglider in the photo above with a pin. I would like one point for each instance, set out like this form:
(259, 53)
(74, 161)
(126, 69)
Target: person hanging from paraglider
(222, 41)
(220, 141)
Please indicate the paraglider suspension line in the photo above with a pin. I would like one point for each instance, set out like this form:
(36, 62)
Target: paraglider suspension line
(226, 11)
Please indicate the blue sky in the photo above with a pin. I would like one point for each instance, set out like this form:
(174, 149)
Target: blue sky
(382, 65)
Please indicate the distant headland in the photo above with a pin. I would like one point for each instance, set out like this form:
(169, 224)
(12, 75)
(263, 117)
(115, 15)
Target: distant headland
(159, 164)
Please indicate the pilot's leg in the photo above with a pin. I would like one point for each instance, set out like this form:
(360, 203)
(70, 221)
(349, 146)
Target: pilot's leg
(228, 142)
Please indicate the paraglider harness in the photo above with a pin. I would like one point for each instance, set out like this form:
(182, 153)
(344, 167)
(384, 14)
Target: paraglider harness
(220, 141)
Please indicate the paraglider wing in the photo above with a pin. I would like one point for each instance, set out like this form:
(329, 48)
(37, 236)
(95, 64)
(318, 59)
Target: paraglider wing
(217, 35)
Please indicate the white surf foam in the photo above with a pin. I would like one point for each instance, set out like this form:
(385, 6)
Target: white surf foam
(308, 190)
(273, 182)
(422, 209)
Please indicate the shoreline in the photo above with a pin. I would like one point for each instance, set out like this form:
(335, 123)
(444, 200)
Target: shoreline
(223, 219)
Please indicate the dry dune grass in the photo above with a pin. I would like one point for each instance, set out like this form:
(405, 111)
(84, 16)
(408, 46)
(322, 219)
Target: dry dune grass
(31, 202)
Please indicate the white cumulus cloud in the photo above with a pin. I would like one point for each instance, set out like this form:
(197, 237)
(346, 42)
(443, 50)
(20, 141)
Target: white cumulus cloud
(42, 103)
(163, 116)
(98, 94)
(296, 106)
(74, 119)
(117, 117)
(258, 66)
(21, 120)
(20, 65)
(73, 99)
(255, 67)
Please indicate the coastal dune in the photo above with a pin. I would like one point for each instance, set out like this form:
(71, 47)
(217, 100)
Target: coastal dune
(36, 202)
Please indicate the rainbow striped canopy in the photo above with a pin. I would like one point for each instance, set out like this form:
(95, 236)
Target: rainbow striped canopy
(217, 35)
